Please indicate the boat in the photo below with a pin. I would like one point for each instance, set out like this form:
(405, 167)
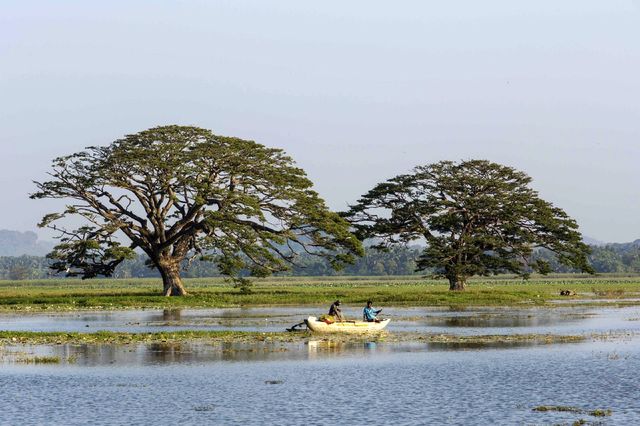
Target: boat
(318, 326)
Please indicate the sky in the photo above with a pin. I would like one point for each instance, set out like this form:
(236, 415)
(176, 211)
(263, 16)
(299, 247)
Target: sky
(355, 91)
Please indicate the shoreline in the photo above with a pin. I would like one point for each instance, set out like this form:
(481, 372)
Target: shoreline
(618, 302)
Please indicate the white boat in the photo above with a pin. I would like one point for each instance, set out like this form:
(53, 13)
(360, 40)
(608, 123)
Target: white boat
(345, 326)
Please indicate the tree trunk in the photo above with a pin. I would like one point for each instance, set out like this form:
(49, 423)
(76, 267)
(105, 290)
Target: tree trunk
(172, 284)
(456, 284)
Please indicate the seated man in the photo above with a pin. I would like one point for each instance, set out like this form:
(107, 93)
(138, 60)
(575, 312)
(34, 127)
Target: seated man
(335, 311)
(369, 314)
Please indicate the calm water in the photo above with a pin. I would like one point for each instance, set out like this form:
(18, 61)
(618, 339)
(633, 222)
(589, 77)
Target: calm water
(411, 386)
(472, 321)
(319, 382)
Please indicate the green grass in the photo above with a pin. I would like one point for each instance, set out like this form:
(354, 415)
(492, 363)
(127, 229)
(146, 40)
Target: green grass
(67, 294)
(208, 336)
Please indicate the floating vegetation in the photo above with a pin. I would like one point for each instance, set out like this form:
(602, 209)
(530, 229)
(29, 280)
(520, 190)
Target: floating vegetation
(162, 338)
(504, 338)
(208, 407)
(562, 408)
(599, 413)
(39, 360)
(130, 385)
(171, 339)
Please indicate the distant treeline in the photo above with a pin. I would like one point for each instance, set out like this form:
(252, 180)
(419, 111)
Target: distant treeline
(397, 261)
(621, 258)
(606, 258)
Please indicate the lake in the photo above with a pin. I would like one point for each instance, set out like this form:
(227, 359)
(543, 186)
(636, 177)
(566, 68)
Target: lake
(320, 382)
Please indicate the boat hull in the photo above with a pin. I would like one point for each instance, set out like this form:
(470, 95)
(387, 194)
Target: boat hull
(345, 326)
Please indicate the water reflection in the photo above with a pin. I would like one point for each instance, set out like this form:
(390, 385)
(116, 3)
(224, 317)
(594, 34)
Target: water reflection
(371, 346)
(497, 321)
(189, 352)
(478, 321)
(461, 346)
(172, 314)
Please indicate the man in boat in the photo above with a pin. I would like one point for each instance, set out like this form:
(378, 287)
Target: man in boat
(335, 311)
(369, 314)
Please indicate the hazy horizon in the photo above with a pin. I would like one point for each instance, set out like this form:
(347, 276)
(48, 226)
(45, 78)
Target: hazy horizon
(355, 92)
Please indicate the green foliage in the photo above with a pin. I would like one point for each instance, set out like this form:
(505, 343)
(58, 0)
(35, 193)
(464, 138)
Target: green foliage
(477, 218)
(176, 191)
(611, 258)
(23, 267)
(400, 260)
(88, 253)
(19, 272)
(616, 258)
(397, 261)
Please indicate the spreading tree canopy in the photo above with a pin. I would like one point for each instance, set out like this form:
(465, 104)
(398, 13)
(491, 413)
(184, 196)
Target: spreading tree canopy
(177, 192)
(476, 217)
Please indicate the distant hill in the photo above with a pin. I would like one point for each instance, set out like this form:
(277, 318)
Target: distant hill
(15, 243)
(592, 241)
(625, 246)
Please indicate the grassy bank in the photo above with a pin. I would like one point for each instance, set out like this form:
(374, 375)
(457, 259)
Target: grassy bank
(66, 294)
(215, 337)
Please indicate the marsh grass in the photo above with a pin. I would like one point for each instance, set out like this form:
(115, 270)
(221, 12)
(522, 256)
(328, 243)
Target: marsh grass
(105, 294)
(609, 292)
(108, 337)
(39, 360)
(14, 338)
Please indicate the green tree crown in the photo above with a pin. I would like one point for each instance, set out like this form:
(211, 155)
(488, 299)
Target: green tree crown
(476, 217)
(176, 191)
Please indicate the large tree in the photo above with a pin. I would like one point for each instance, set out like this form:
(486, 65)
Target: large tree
(177, 192)
(476, 218)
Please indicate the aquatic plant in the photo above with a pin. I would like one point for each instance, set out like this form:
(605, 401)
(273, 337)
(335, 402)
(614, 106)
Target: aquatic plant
(39, 360)
(561, 408)
(599, 413)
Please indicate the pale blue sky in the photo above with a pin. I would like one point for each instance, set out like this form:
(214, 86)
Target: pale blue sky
(355, 91)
